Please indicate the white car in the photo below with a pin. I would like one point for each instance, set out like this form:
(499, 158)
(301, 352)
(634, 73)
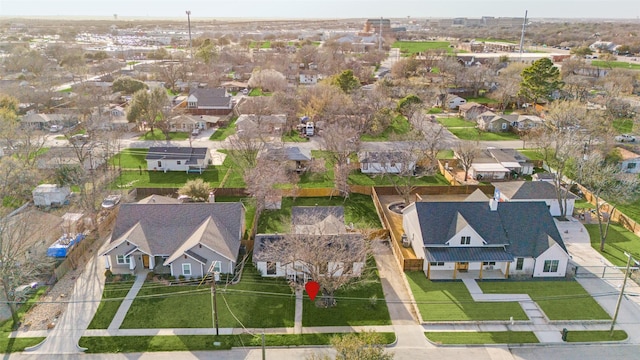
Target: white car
(625, 138)
(55, 128)
(111, 201)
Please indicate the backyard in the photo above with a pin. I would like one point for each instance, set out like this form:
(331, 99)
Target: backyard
(453, 122)
(224, 132)
(619, 240)
(469, 133)
(358, 178)
(399, 126)
(358, 209)
(414, 47)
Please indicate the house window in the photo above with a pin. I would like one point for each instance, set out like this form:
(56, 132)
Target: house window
(217, 266)
(159, 163)
(271, 268)
(492, 263)
(550, 266)
(186, 269)
(504, 126)
(121, 259)
(437, 263)
(178, 162)
(631, 165)
(519, 263)
(192, 104)
(465, 240)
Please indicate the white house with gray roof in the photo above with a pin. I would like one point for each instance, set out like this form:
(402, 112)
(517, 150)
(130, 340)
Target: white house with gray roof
(189, 159)
(180, 239)
(485, 239)
(390, 162)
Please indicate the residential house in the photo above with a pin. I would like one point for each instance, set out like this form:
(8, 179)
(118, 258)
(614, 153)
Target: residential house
(535, 191)
(208, 101)
(189, 123)
(521, 123)
(450, 101)
(512, 160)
(189, 159)
(499, 164)
(308, 77)
(380, 162)
(315, 223)
(251, 125)
(40, 121)
(630, 161)
(159, 199)
(485, 239)
(234, 86)
(112, 118)
(59, 156)
(189, 240)
(492, 122)
(471, 110)
(295, 158)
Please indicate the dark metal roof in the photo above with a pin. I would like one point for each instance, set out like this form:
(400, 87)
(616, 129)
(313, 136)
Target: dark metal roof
(196, 256)
(529, 190)
(211, 97)
(189, 154)
(468, 254)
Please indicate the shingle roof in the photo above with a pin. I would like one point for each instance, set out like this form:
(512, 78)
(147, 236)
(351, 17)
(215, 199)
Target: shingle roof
(382, 157)
(160, 229)
(528, 190)
(309, 215)
(525, 228)
(468, 254)
(293, 153)
(261, 241)
(211, 97)
(189, 154)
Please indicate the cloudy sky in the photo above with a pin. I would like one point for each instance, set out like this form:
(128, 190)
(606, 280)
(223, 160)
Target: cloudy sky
(322, 9)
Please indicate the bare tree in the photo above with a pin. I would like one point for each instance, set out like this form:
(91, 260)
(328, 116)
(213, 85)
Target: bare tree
(466, 152)
(606, 180)
(321, 250)
(341, 140)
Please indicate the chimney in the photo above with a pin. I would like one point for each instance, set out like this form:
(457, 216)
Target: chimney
(493, 205)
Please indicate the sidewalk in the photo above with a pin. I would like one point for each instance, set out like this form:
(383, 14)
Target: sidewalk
(128, 300)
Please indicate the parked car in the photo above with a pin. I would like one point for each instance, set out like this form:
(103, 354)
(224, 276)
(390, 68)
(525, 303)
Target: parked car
(625, 138)
(55, 128)
(111, 201)
(195, 132)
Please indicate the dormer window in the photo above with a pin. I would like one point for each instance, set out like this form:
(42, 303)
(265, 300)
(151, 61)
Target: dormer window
(192, 104)
(465, 240)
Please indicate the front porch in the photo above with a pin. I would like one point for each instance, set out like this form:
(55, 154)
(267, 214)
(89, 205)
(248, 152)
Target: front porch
(470, 274)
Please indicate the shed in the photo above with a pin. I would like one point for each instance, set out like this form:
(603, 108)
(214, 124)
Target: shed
(50, 194)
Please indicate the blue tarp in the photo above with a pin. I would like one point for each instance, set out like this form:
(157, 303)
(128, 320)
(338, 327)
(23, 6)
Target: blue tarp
(60, 248)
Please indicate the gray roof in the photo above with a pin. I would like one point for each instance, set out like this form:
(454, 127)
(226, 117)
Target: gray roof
(190, 155)
(507, 155)
(211, 97)
(293, 153)
(468, 254)
(382, 157)
(510, 225)
(262, 241)
(528, 190)
(160, 229)
(310, 215)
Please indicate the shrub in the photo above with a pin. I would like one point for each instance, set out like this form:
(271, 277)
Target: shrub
(181, 277)
(108, 274)
(150, 275)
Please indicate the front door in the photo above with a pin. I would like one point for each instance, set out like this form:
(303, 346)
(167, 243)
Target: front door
(145, 261)
(462, 266)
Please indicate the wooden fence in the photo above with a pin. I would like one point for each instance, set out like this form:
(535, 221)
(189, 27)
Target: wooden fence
(616, 215)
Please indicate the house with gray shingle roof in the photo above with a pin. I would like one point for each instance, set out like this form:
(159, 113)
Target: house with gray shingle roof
(189, 159)
(485, 239)
(209, 101)
(535, 191)
(391, 162)
(180, 239)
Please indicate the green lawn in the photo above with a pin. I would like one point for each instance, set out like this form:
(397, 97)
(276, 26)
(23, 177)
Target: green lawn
(361, 305)
(615, 64)
(623, 125)
(445, 154)
(263, 44)
(234, 179)
(559, 299)
(583, 204)
(619, 241)
(134, 344)
(472, 134)
(225, 131)
(532, 154)
(482, 100)
(435, 110)
(157, 134)
(258, 92)
(159, 179)
(318, 179)
(413, 47)
(358, 178)
(11, 345)
(7, 325)
(593, 336)
(632, 210)
(130, 159)
(483, 337)
(294, 136)
(112, 297)
(495, 40)
(456, 122)
(256, 302)
(399, 126)
(358, 209)
(451, 301)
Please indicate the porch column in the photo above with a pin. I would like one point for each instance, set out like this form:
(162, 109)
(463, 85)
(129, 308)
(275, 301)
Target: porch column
(152, 262)
(107, 263)
(506, 273)
(132, 262)
(481, 267)
(428, 270)
(455, 268)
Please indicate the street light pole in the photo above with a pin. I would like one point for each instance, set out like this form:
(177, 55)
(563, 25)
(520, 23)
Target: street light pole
(189, 22)
(624, 283)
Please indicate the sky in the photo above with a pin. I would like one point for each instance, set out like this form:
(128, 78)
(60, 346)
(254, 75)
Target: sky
(295, 9)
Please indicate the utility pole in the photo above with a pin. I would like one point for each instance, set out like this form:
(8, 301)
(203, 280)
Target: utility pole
(524, 27)
(215, 304)
(624, 283)
(264, 350)
(189, 22)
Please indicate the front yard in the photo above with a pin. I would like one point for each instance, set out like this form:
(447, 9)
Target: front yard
(455, 122)
(256, 303)
(474, 134)
(451, 301)
(112, 296)
(157, 134)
